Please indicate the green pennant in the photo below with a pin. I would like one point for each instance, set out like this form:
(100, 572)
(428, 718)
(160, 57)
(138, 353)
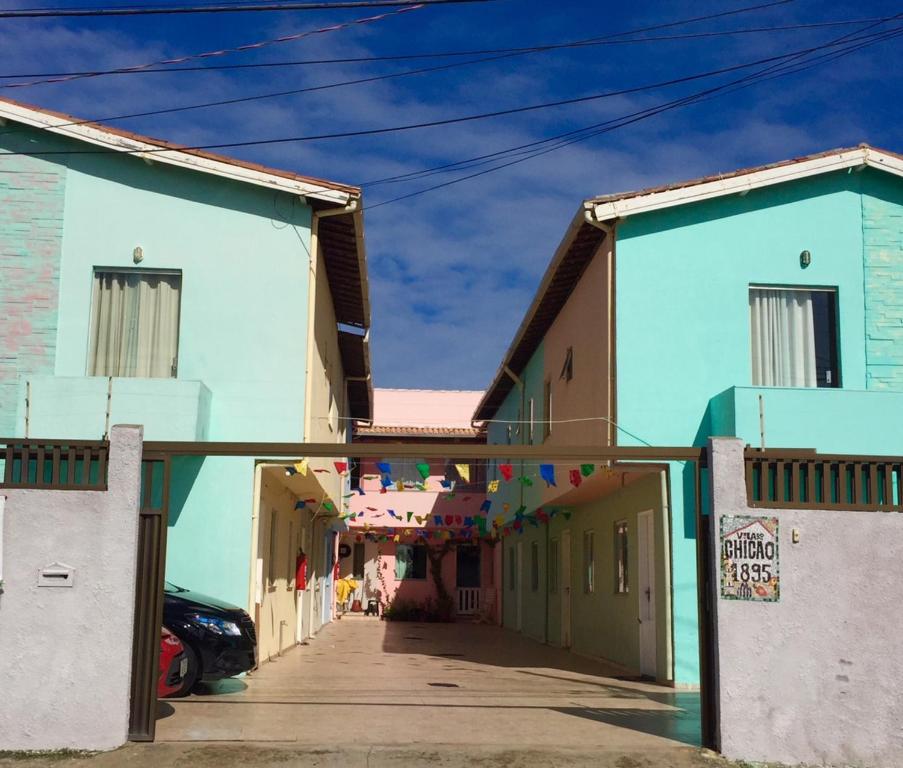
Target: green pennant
(424, 470)
(524, 480)
(587, 469)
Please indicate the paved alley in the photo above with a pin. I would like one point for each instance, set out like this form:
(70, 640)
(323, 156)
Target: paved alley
(365, 682)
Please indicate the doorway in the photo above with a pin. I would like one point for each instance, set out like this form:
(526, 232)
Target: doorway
(646, 592)
(519, 582)
(566, 589)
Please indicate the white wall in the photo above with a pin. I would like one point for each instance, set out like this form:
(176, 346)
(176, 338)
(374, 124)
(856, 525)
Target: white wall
(67, 652)
(815, 677)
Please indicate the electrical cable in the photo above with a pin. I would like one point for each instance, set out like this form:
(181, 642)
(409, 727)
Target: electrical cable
(143, 68)
(432, 123)
(623, 121)
(226, 51)
(328, 86)
(51, 13)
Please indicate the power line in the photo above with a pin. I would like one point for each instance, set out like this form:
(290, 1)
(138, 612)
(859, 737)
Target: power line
(447, 54)
(152, 67)
(55, 13)
(611, 125)
(237, 49)
(326, 86)
(436, 123)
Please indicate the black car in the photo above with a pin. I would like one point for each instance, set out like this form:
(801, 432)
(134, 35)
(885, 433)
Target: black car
(219, 638)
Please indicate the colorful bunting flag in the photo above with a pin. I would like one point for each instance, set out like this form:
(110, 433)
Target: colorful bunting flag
(399, 486)
(524, 480)
(463, 472)
(300, 504)
(340, 466)
(576, 479)
(468, 522)
(424, 470)
(384, 467)
(437, 519)
(507, 471)
(493, 486)
(486, 505)
(301, 467)
(409, 516)
(547, 473)
(587, 469)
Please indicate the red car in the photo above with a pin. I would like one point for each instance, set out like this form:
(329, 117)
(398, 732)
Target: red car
(173, 664)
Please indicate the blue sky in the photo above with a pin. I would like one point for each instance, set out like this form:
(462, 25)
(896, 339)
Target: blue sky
(453, 271)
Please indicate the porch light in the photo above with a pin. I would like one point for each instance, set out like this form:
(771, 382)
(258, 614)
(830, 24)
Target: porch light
(805, 259)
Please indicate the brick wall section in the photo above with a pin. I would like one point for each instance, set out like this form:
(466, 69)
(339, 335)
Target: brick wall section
(882, 229)
(32, 194)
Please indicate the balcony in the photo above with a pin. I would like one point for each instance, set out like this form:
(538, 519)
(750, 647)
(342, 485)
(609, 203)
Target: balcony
(75, 407)
(829, 420)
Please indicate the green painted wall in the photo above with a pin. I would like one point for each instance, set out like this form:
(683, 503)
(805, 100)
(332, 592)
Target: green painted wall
(682, 281)
(242, 251)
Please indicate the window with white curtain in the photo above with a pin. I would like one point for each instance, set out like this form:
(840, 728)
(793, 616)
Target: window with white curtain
(793, 333)
(135, 323)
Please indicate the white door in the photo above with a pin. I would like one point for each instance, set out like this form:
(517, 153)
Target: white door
(646, 589)
(519, 582)
(566, 589)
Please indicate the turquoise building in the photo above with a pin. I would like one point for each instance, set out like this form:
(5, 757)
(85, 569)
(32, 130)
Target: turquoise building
(207, 299)
(765, 304)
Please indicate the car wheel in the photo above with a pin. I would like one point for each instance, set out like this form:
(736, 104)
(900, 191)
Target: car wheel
(192, 675)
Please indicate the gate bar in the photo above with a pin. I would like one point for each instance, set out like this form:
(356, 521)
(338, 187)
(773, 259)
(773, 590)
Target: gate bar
(445, 450)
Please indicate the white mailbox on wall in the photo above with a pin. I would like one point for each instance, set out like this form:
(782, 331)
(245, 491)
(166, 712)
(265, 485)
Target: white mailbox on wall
(56, 575)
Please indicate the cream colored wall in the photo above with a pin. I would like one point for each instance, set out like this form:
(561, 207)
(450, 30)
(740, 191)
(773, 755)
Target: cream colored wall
(583, 324)
(279, 607)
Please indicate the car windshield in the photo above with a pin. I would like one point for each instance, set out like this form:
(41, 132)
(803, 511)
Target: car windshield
(172, 588)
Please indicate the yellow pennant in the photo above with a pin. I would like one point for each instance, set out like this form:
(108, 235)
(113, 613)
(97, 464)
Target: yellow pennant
(463, 472)
(493, 486)
(399, 485)
(301, 467)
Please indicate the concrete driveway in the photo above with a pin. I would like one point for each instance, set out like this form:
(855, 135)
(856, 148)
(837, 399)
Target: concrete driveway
(366, 683)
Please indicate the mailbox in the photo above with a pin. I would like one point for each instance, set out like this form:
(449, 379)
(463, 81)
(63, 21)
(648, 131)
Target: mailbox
(56, 575)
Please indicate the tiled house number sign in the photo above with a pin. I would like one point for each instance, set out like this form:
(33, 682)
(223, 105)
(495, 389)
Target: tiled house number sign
(750, 566)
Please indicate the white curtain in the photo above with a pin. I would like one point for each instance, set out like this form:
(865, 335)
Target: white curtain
(783, 338)
(134, 325)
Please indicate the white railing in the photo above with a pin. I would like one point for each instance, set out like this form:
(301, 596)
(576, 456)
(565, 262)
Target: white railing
(468, 601)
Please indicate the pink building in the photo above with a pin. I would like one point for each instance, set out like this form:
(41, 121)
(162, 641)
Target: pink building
(420, 527)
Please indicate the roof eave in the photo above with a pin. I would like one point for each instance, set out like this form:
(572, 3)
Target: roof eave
(482, 412)
(742, 183)
(115, 141)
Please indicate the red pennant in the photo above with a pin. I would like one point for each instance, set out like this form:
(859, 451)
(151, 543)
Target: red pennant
(449, 519)
(341, 466)
(576, 479)
(507, 471)
(459, 520)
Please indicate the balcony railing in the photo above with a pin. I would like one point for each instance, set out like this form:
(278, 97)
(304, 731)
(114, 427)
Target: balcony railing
(820, 481)
(70, 465)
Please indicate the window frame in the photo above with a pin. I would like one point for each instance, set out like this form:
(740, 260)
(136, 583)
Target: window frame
(414, 547)
(272, 553)
(534, 566)
(832, 328)
(149, 271)
(546, 409)
(589, 562)
(554, 564)
(358, 546)
(622, 557)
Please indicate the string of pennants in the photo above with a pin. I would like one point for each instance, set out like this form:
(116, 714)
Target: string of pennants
(469, 527)
(546, 473)
(467, 524)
